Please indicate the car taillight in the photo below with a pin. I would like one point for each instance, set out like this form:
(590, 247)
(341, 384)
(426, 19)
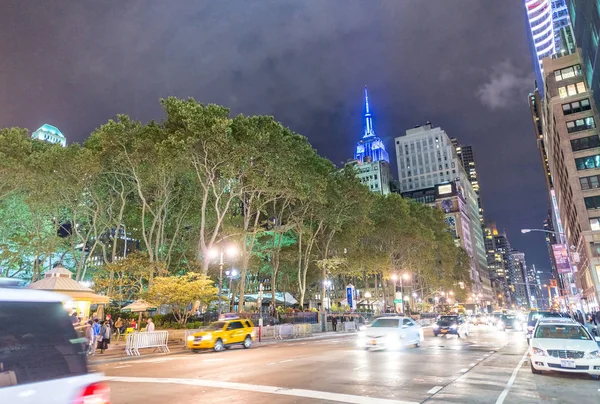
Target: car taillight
(96, 393)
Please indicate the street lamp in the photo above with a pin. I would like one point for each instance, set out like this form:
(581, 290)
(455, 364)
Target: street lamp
(231, 252)
(524, 231)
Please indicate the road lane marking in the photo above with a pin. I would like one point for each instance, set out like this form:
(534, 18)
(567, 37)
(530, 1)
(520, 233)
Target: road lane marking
(511, 381)
(464, 370)
(435, 389)
(360, 367)
(121, 367)
(471, 365)
(270, 364)
(287, 360)
(314, 394)
(486, 355)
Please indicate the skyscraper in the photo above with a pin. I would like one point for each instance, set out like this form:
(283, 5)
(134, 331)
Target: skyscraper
(50, 134)
(371, 160)
(466, 155)
(429, 170)
(549, 31)
(520, 282)
(370, 147)
(585, 18)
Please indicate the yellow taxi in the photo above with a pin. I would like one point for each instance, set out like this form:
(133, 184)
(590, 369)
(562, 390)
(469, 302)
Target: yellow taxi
(223, 334)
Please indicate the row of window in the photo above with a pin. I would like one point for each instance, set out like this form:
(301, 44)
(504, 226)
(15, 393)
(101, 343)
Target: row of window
(592, 202)
(567, 72)
(585, 143)
(588, 162)
(576, 106)
(592, 182)
(581, 124)
(571, 89)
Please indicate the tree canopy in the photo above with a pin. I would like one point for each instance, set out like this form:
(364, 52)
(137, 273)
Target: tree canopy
(139, 206)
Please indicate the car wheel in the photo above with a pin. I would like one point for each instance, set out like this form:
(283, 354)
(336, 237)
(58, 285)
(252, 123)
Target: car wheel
(247, 342)
(417, 344)
(219, 346)
(534, 370)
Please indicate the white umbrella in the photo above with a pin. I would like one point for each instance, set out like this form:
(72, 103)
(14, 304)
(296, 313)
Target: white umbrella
(139, 306)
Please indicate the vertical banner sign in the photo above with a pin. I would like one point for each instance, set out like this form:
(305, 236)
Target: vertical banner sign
(350, 297)
(561, 256)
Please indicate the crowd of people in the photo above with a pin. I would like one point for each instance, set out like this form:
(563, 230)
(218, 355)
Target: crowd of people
(98, 332)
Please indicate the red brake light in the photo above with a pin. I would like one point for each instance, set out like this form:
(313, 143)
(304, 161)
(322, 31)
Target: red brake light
(96, 393)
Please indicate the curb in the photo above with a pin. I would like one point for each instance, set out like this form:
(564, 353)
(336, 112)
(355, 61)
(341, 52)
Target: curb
(181, 351)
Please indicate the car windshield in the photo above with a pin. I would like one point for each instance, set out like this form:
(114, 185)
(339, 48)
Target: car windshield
(386, 322)
(216, 326)
(552, 331)
(448, 319)
(510, 317)
(534, 317)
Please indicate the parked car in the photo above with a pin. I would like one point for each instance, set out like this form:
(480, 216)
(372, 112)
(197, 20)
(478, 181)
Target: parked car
(534, 316)
(42, 360)
(391, 333)
(222, 335)
(564, 345)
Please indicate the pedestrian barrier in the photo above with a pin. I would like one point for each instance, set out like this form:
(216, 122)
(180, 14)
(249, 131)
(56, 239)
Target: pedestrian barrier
(139, 340)
(350, 326)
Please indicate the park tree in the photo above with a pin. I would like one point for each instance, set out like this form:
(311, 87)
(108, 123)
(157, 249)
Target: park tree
(181, 292)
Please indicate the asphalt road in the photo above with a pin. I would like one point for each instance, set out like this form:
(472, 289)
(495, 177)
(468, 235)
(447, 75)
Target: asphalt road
(487, 367)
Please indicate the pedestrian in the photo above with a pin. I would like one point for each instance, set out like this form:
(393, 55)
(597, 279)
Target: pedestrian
(111, 323)
(105, 333)
(334, 323)
(96, 331)
(88, 333)
(150, 325)
(119, 325)
(133, 324)
(74, 320)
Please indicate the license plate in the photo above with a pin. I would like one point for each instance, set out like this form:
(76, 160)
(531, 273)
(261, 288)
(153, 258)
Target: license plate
(444, 331)
(567, 364)
(373, 342)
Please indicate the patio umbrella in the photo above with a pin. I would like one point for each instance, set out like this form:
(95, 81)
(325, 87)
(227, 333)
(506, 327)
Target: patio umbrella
(139, 306)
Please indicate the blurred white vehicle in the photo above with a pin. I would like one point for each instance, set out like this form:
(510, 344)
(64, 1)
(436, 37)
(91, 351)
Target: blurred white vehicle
(391, 333)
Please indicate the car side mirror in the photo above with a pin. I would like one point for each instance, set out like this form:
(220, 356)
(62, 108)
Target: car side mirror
(597, 339)
(404, 326)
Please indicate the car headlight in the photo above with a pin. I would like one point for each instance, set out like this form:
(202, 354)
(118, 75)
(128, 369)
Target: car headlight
(454, 326)
(435, 326)
(191, 338)
(592, 355)
(540, 352)
(207, 337)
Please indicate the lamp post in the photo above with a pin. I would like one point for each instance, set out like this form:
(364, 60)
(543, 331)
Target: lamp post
(395, 277)
(231, 251)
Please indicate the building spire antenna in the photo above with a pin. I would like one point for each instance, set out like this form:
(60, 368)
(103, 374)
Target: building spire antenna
(369, 131)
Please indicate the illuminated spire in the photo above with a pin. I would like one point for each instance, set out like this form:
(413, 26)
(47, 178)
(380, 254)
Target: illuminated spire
(369, 131)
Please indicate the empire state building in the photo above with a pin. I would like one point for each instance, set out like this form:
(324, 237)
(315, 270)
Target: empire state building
(370, 147)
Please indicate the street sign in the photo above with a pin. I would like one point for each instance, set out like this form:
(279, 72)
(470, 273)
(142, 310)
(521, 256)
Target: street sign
(398, 301)
(350, 296)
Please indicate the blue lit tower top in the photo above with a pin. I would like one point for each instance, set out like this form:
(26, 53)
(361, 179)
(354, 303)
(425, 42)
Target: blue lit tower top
(370, 147)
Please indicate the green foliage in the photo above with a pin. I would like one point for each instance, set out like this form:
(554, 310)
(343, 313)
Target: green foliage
(201, 179)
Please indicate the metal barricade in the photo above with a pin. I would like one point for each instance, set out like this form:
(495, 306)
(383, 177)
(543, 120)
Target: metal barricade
(285, 331)
(139, 340)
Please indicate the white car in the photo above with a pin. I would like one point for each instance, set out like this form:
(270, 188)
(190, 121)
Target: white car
(563, 345)
(42, 360)
(391, 333)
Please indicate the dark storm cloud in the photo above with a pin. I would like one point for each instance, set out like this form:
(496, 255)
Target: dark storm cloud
(462, 64)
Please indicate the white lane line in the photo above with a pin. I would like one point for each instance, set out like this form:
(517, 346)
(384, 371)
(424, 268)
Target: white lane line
(471, 365)
(360, 367)
(486, 355)
(511, 381)
(316, 395)
(464, 370)
(435, 389)
(121, 367)
(271, 364)
(287, 360)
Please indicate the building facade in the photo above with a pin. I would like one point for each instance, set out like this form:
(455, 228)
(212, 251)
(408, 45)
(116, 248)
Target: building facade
(466, 156)
(376, 175)
(573, 147)
(585, 19)
(549, 30)
(522, 291)
(427, 159)
(50, 134)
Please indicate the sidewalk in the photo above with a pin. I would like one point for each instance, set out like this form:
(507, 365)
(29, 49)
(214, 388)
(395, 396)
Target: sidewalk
(116, 352)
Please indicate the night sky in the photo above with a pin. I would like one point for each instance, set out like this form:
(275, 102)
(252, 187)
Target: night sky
(464, 65)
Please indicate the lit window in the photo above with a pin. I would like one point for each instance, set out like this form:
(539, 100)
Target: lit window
(567, 72)
(581, 124)
(587, 163)
(571, 89)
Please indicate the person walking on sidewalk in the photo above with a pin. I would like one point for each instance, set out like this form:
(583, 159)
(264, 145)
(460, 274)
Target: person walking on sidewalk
(88, 333)
(334, 323)
(150, 325)
(105, 333)
(96, 331)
